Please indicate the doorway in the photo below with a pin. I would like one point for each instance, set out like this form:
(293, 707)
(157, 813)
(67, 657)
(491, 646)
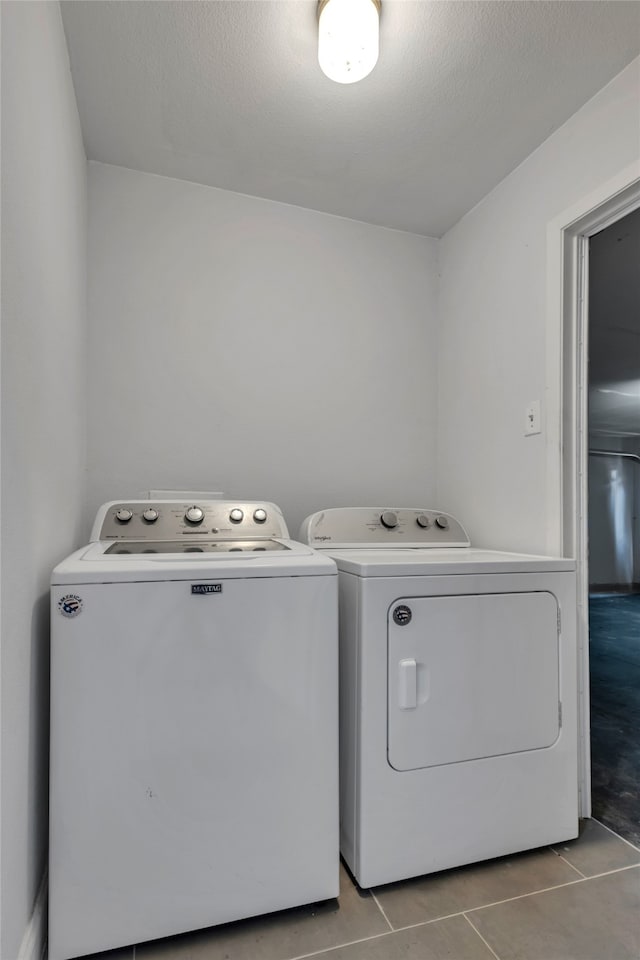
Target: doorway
(613, 394)
(567, 423)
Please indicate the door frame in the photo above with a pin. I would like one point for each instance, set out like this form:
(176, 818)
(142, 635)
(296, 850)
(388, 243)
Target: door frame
(566, 402)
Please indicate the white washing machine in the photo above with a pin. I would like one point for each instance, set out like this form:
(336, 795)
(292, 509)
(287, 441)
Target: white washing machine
(457, 694)
(194, 732)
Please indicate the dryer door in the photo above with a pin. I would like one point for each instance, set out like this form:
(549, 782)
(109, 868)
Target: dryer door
(471, 676)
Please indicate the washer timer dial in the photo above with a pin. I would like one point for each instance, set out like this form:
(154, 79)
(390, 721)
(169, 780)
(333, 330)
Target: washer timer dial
(194, 515)
(123, 515)
(389, 519)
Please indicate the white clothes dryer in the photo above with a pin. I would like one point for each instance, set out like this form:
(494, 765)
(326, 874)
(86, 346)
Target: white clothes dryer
(194, 733)
(457, 693)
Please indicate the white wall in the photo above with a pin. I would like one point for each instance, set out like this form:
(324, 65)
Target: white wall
(493, 316)
(277, 352)
(43, 416)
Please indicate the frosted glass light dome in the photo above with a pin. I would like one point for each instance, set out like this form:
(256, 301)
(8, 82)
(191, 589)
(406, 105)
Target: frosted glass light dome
(348, 43)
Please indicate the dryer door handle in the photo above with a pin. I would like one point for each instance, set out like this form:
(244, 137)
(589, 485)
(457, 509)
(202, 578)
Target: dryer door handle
(407, 684)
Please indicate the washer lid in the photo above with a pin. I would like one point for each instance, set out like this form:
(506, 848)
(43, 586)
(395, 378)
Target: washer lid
(131, 547)
(96, 564)
(419, 562)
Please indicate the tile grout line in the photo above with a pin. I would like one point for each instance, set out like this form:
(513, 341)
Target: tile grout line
(624, 840)
(379, 905)
(342, 946)
(608, 873)
(475, 929)
(425, 923)
(558, 886)
(569, 864)
(522, 896)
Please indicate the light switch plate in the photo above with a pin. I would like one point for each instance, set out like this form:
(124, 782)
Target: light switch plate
(533, 422)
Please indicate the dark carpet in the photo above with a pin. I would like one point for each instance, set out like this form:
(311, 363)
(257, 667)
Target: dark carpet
(614, 645)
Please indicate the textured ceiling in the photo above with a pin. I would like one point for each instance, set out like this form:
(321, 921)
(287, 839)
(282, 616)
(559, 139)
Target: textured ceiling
(614, 329)
(229, 93)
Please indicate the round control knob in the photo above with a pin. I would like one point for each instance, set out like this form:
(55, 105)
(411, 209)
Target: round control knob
(150, 515)
(442, 522)
(388, 519)
(260, 515)
(236, 515)
(123, 515)
(194, 515)
(423, 521)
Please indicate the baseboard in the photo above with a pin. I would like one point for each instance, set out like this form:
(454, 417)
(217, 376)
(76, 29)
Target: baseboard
(34, 942)
(623, 589)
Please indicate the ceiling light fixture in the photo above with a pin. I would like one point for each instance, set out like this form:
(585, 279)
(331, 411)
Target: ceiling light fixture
(348, 38)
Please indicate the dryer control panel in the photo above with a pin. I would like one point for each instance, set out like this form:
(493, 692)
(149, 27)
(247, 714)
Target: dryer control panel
(164, 520)
(383, 527)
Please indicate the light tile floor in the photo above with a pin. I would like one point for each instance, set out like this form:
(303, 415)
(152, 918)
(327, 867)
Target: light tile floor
(577, 901)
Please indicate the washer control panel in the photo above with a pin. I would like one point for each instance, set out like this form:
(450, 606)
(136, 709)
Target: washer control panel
(383, 527)
(162, 520)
